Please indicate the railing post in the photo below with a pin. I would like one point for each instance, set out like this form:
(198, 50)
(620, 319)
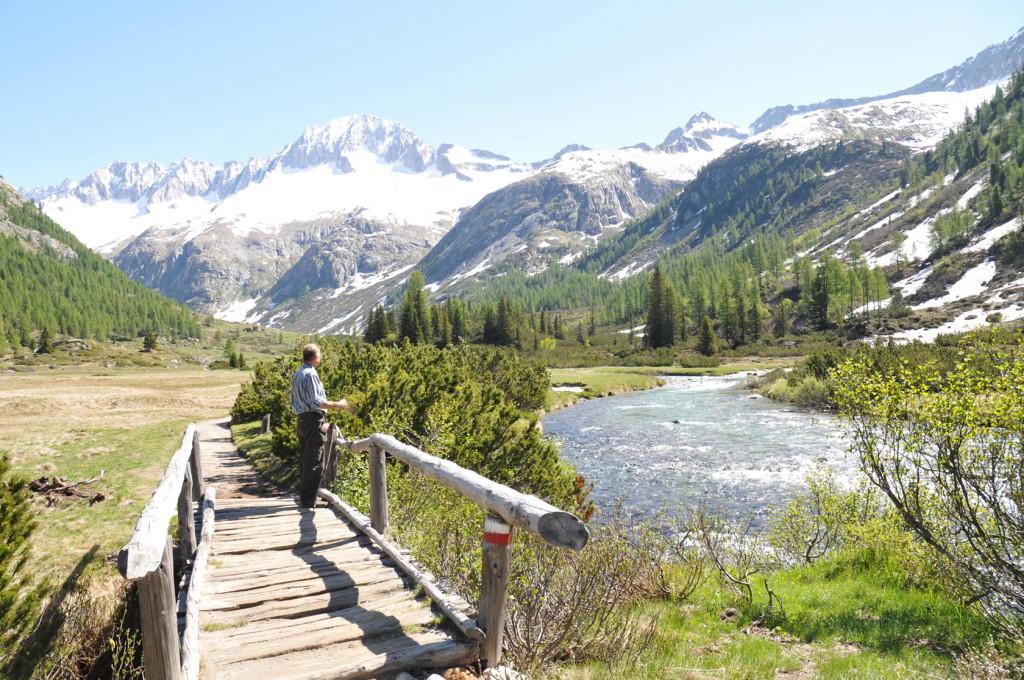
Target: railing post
(195, 463)
(378, 490)
(158, 611)
(497, 556)
(186, 519)
(265, 429)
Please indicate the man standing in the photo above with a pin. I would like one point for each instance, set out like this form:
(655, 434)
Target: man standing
(309, 402)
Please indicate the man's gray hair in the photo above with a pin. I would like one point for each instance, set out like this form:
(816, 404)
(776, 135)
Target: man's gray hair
(310, 351)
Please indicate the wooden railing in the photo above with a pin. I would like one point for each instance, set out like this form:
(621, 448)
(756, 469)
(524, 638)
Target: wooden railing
(148, 560)
(506, 508)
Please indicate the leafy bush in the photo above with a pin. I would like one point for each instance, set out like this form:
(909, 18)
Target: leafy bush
(948, 452)
(815, 523)
(696, 360)
(470, 405)
(267, 392)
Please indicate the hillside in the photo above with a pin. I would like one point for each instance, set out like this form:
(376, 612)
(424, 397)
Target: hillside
(50, 280)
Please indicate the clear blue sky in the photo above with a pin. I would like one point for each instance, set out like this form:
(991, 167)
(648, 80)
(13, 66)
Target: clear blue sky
(86, 83)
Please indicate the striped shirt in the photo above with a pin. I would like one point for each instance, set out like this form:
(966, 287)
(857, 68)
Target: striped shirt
(307, 390)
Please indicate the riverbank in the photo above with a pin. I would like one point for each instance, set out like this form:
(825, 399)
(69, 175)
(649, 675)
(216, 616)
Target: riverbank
(569, 385)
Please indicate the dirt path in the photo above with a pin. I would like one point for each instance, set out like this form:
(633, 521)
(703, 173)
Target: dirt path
(225, 468)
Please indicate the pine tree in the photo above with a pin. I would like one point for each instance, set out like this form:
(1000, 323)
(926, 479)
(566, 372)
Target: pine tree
(755, 324)
(415, 325)
(19, 599)
(653, 333)
(707, 342)
(45, 341)
(780, 319)
(149, 342)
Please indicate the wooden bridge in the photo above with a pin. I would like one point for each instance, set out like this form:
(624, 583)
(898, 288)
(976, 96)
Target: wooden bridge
(272, 590)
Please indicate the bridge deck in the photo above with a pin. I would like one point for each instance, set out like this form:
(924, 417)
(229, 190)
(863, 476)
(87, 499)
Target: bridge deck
(298, 593)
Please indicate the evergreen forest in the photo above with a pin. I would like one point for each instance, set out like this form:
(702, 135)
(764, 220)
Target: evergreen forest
(52, 284)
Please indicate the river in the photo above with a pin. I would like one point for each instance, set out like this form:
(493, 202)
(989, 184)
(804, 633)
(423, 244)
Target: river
(696, 438)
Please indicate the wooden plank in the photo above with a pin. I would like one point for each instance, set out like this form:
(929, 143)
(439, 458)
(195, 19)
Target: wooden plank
(283, 529)
(186, 519)
(441, 599)
(399, 600)
(353, 549)
(190, 634)
(146, 546)
(358, 659)
(302, 585)
(541, 520)
(301, 539)
(258, 500)
(195, 462)
(358, 625)
(323, 519)
(295, 574)
(326, 601)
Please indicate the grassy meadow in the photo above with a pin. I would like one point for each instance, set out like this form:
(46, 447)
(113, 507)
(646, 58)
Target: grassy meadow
(121, 426)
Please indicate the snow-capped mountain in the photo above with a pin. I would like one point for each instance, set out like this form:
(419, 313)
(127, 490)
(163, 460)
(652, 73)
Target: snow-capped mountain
(354, 165)
(992, 65)
(917, 121)
(572, 201)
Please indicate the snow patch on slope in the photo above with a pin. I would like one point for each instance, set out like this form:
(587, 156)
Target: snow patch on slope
(919, 121)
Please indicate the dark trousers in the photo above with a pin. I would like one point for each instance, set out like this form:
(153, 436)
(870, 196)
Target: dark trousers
(311, 444)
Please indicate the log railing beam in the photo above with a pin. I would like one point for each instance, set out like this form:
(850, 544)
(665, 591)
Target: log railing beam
(541, 520)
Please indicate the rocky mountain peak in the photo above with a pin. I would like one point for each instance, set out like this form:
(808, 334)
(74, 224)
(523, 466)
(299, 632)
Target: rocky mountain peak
(700, 132)
(992, 65)
(339, 140)
(701, 118)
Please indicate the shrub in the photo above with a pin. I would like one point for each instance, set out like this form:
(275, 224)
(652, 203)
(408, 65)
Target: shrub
(948, 452)
(563, 605)
(812, 392)
(815, 523)
(267, 392)
(575, 606)
(466, 404)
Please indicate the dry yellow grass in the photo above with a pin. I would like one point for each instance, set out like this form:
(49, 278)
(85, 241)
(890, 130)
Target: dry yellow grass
(121, 423)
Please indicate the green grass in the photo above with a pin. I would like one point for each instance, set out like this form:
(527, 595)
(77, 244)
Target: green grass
(602, 381)
(130, 462)
(214, 627)
(841, 621)
(258, 450)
